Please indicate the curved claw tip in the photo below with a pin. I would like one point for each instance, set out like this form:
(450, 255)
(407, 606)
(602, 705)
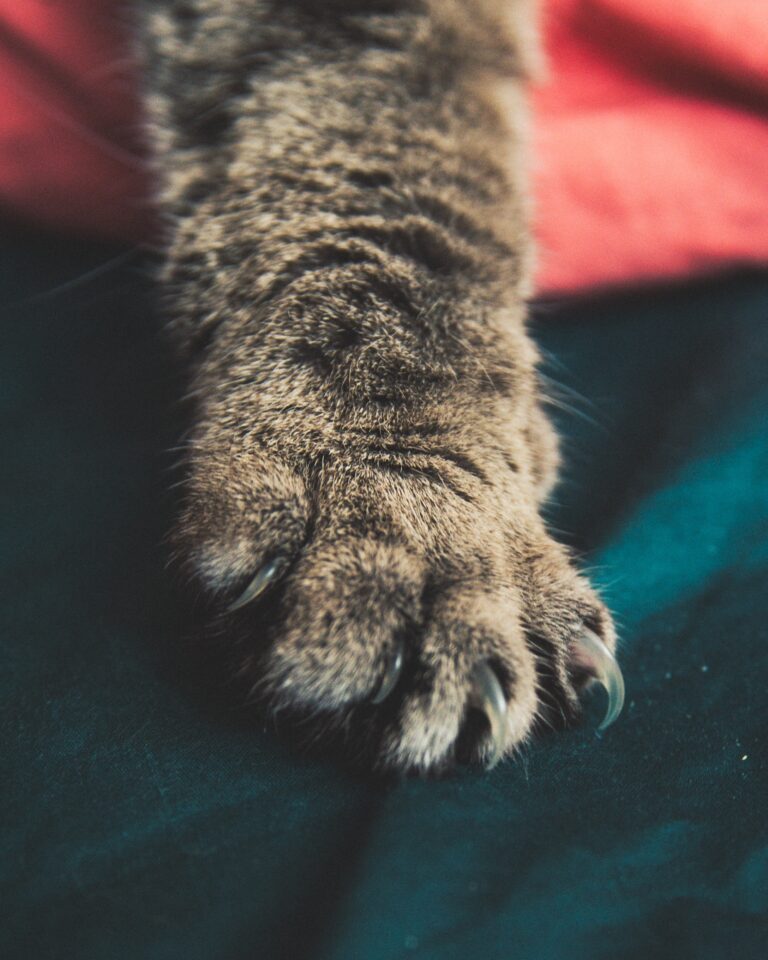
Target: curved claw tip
(486, 695)
(263, 580)
(391, 674)
(607, 672)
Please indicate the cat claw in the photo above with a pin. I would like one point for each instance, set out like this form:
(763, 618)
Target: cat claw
(263, 580)
(486, 695)
(606, 671)
(391, 674)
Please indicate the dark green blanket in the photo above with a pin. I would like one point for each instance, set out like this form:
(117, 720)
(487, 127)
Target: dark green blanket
(143, 819)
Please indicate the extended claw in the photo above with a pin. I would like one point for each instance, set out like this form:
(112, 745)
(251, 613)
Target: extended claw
(260, 583)
(391, 674)
(486, 695)
(606, 671)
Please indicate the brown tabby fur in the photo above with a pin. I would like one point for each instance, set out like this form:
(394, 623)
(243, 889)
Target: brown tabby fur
(347, 270)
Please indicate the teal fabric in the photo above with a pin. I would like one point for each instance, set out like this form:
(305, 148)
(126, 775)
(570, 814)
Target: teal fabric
(145, 820)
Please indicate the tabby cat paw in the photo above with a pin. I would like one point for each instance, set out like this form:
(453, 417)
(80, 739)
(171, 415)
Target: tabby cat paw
(411, 597)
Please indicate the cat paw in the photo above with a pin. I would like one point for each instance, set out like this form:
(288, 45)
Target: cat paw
(413, 600)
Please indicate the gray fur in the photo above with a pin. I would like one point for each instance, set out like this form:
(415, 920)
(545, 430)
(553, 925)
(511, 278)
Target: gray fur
(348, 261)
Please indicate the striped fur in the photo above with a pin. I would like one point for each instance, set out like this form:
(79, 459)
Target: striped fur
(348, 261)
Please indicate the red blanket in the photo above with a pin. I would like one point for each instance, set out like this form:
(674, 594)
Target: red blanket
(651, 141)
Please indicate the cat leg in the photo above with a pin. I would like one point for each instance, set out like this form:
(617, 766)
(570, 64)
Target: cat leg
(347, 270)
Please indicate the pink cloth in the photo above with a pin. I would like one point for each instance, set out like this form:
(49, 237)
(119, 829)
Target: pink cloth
(68, 129)
(651, 141)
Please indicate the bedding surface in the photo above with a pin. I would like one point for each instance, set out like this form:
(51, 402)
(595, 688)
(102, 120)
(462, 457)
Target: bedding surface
(144, 818)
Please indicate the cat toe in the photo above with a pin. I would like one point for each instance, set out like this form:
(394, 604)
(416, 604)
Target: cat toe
(339, 638)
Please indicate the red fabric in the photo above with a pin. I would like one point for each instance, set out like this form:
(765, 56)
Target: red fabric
(651, 141)
(68, 132)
